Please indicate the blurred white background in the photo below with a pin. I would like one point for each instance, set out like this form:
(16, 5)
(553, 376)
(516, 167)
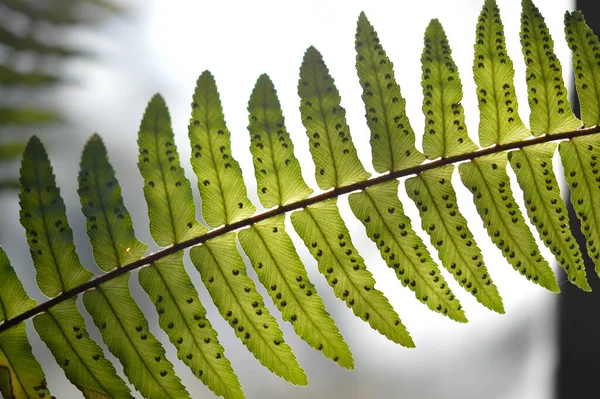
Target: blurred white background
(163, 46)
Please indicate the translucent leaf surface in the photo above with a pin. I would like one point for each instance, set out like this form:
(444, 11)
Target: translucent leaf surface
(125, 331)
(63, 329)
(499, 121)
(278, 177)
(392, 137)
(548, 98)
(281, 271)
(445, 130)
(331, 146)
(20, 374)
(435, 198)
(220, 181)
(489, 183)
(586, 55)
(326, 237)
(108, 221)
(183, 318)
(546, 209)
(44, 218)
(580, 162)
(168, 192)
(224, 274)
(382, 214)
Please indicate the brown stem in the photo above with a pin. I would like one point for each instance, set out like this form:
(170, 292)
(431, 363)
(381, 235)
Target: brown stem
(336, 192)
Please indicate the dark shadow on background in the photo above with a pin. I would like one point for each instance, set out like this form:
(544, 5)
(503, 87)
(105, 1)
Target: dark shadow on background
(579, 312)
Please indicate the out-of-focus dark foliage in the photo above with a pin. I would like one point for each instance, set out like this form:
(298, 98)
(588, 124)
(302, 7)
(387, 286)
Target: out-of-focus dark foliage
(31, 56)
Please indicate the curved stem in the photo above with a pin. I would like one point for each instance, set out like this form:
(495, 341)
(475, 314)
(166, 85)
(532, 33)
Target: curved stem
(336, 192)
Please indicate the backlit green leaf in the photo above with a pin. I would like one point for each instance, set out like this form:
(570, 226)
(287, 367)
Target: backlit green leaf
(222, 188)
(499, 121)
(546, 209)
(435, 198)
(182, 316)
(20, 374)
(382, 214)
(392, 137)
(323, 231)
(168, 192)
(63, 329)
(125, 332)
(280, 270)
(586, 53)
(580, 162)
(278, 177)
(44, 218)
(224, 274)
(331, 146)
(548, 98)
(445, 130)
(108, 221)
(489, 183)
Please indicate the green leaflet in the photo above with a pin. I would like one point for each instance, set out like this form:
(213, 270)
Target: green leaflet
(183, 318)
(499, 121)
(63, 329)
(220, 181)
(546, 209)
(434, 195)
(20, 374)
(548, 99)
(382, 214)
(445, 130)
(392, 137)
(323, 231)
(167, 280)
(489, 183)
(278, 176)
(168, 192)
(48, 233)
(125, 332)
(224, 274)
(120, 321)
(333, 152)
(580, 162)
(586, 52)
(108, 222)
(280, 270)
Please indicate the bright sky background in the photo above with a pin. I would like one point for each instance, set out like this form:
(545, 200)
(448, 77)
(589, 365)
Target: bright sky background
(165, 45)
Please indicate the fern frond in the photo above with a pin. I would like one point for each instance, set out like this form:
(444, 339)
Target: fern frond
(435, 198)
(546, 209)
(548, 99)
(325, 235)
(280, 270)
(223, 192)
(382, 214)
(333, 152)
(224, 274)
(278, 176)
(392, 137)
(20, 374)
